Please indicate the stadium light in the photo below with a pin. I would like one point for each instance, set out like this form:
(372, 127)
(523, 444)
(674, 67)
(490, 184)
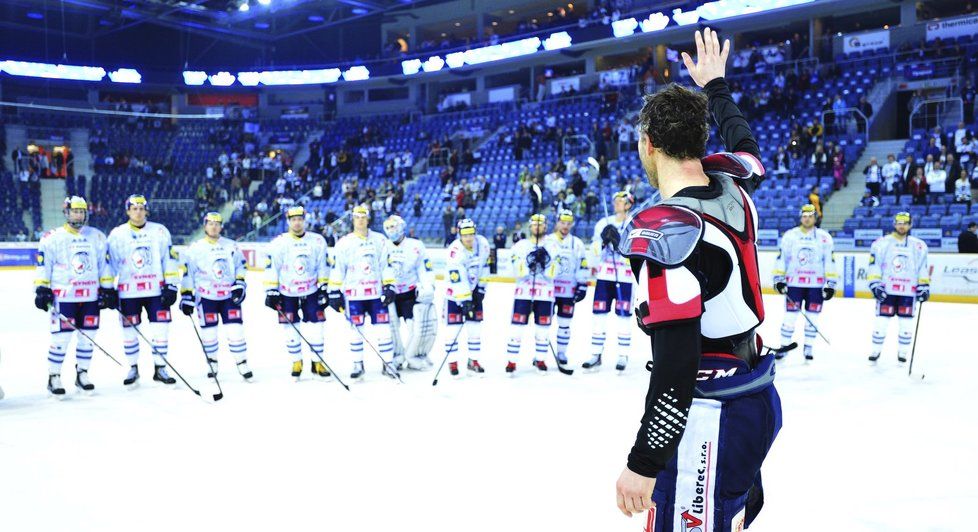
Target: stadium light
(194, 77)
(655, 22)
(126, 75)
(411, 66)
(50, 71)
(556, 41)
(300, 77)
(433, 64)
(249, 79)
(356, 73)
(222, 79)
(264, 2)
(624, 27)
(243, 6)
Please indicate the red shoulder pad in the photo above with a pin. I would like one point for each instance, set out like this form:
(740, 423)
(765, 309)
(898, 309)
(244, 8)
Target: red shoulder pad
(739, 166)
(674, 296)
(663, 234)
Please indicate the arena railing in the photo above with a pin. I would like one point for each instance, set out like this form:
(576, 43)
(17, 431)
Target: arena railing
(850, 115)
(932, 112)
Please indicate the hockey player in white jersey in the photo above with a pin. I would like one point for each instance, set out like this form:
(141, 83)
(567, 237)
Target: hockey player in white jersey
(805, 274)
(570, 281)
(613, 285)
(361, 283)
(147, 275)
(73, 284)
(468, 270)
(414, 292)
(534, 269)
(899, 277)
(214, 286)
(296, 288)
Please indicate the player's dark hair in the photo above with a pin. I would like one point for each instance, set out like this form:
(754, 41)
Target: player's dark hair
(675, 119)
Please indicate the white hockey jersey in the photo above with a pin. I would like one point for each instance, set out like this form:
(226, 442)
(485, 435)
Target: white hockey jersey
(899, 265)
(806, 259)
(410, 266)
(537, 286)
(467, 268)
(610, 265)
(360, 267)
(73, 263)
(296, 265)
(210, 268)
(142, 259)
(571, 263)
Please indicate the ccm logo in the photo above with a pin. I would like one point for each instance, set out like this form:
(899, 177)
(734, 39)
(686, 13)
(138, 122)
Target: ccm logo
(709, 374)
(649, 234)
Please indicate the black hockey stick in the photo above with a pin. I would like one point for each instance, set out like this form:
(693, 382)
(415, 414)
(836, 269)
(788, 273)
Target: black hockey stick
(392, 372)
(285, 318)
(560, 367)
(913, 348)
(447, 352)
(165, 361)
(805, 315)
(782, 349)
(220, 392)
(87, 337)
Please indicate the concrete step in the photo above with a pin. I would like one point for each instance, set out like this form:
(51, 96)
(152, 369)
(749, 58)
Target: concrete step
(52, 202)
(841, 205)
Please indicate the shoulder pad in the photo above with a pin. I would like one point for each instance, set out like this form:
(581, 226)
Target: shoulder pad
(738, 166)
(663, 234)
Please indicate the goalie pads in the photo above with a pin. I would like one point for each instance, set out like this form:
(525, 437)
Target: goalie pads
(423, 332)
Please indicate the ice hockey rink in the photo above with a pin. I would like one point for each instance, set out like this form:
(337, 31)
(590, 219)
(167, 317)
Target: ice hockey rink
(862, 448)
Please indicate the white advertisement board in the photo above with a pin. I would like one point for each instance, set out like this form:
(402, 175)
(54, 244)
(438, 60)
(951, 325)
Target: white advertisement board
(952, 27)
(870, 40)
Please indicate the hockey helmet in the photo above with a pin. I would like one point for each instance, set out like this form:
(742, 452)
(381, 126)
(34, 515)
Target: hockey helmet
(75, 202)
(360, 210)
(394, 227)
(625, 195)
(565, 215)
(808, 210)
(137, 199)
(902, 217)
(213, 216)
(466, 227)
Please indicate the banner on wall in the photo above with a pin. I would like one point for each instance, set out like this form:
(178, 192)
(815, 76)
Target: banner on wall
(870, 40)
(952, 27)
(18, 255)
(502, 94)
(562, 85)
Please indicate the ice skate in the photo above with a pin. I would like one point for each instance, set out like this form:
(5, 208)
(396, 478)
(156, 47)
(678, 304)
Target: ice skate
(593, 365)
(318, 368)
(82, 381)
(54, 385)
(244, 370)
(621, 364)
(357, 372)
(132, 379)
(161, 375)
(474, 367)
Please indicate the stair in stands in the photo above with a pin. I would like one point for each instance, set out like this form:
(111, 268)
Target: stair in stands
(844, 202)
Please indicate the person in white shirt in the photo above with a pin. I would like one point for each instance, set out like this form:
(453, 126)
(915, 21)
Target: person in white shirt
(962, 188)
(891, 175)
(936, 178)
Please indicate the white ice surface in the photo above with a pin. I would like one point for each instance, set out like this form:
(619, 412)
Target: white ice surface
(862, 448)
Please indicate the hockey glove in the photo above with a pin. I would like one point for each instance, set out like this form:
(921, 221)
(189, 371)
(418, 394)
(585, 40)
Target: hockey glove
(479, 295)
(43, 298)
(336, 301)
(828, 291)
(780, 285)
(610, 237)
(187, 303)
(388, 295)
(238, 291)
(468, 309)
(169, 296)
(923, 292)
(322, 296)
(878, 291)
(108, 298)
(273, 299)
(642, 312)
(580, 293)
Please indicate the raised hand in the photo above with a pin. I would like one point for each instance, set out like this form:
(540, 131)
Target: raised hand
(711, 61)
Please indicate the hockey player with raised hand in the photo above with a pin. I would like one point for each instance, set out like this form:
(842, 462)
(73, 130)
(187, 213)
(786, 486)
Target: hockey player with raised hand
(711, 410)
(73, 284)
(147, 276)
(613, 284)
(414, 292)
(214, 286)
(899, 277)
(534, 268)
(361, 284)
(296, 287)
(805, 274)
(570, 280)
(468, 271)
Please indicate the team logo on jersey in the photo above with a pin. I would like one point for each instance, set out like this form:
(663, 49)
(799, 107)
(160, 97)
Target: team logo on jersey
(427, 265)
(80, 262)
(806, 256)
(454, 276)
(40, 258)
(140, 258)
(691, 522)
(220, 268)
(301, 264)
(899, 263)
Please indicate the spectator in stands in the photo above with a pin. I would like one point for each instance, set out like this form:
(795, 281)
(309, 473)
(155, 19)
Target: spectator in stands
(967, 151)
(820, 160)
(936, 178)
(869, 200)
(782, 162)
(962, 188)
(448, 220)
(968, 239)
(928, 164)
(953, 169)
(865, 107)
(590, 205)
(450, 236)
(814, 133)
(874, 176)
(891, 176)
(816, 200)
(968, 98)
(518, 233)
(499, 239)
(918, 187)
(839, 177)
(21, 236)
(933, 150)
(417, 205)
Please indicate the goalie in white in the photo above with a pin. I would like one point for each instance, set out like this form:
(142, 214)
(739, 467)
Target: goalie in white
(414, 292)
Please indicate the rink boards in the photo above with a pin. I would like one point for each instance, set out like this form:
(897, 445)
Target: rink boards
(954, 277)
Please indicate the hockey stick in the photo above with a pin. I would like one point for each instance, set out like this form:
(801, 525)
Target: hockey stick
(447, 351)
(165, 361)
(87, 337)
(393, 373)
(913, 348)
(220, 392)
(533, 284)
(805, 315)
(285, 318)
(779, 350)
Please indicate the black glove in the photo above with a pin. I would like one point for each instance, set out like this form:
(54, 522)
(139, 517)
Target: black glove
(780, 285)
(468, 309)
(238, 291)
(878, 291)
(273, 299)
(169, 296)
(923, 292)
(580, 293)
(43, 298)
(479, 295)
(641, 312)
(610, 236)
(388, 295)
(108, 298)
(336, 301)
(322, 296)
(187, 303)
(828, 292)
